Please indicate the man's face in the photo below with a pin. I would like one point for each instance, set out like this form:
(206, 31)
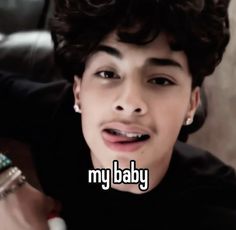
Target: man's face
(134, 100)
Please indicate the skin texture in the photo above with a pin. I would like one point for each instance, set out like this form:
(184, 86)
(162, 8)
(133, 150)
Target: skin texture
(125, 87)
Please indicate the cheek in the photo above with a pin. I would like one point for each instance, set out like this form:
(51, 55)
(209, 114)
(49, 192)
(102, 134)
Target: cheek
(95, 98)
(93, 109)
(169, 114)
(93, 104)
(89, 119)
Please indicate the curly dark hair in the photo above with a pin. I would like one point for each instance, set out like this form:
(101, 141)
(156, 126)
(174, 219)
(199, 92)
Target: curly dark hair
(199, 27)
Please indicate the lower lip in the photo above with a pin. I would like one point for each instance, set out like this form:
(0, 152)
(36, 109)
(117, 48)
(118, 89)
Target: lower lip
(122, 147)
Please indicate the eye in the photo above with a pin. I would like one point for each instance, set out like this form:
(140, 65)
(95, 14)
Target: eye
(163, 81)
(107, 74)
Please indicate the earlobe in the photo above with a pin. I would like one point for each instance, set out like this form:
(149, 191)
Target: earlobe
(77, 108)
(188, 121)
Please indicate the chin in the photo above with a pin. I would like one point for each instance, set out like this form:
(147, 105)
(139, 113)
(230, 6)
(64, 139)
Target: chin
(131, 188)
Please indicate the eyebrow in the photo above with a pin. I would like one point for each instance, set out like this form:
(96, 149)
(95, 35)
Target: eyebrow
(164, 62)
(109, 50)
(150, 61)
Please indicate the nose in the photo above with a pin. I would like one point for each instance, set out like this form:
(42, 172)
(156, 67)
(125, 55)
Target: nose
(130, 102)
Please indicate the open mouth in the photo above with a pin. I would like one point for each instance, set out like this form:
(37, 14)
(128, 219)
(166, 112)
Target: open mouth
(125, 137)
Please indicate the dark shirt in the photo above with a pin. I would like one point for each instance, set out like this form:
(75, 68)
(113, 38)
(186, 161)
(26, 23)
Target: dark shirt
(198, 191)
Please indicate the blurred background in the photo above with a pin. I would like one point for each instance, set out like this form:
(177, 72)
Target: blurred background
(218, 134)
(26, 47)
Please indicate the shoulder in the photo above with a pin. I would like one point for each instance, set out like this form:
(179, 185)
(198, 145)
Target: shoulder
(204, 186)
(202, 167)
(201, 162)
(199, 175)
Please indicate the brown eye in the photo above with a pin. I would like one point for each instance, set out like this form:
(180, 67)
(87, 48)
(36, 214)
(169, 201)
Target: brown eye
(107, 74)
(161, 81)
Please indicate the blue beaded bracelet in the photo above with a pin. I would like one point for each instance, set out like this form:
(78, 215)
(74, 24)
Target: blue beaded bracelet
(5, 162)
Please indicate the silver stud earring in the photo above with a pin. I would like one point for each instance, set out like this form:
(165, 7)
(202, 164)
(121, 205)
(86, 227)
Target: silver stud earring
(77, 108)
(188, 121)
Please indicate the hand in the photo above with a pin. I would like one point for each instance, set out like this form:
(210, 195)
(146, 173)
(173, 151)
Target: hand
(25, 209)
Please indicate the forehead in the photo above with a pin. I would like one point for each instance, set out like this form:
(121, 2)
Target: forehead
(160, 44)
(139, 55)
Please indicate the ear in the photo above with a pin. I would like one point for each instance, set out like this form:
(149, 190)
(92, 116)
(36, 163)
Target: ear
(76, 89)
(195, 101)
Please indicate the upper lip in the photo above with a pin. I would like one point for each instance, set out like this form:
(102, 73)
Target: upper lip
(127, 127)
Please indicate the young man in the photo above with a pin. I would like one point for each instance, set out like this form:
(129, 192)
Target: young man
(136, 69)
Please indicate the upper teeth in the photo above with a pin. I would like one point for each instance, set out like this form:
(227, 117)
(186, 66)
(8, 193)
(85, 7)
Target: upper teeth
(129, 134)
(133, 135)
